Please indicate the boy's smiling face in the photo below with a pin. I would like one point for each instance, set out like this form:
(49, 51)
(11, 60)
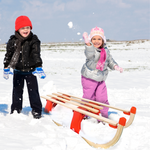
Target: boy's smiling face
(25, 31)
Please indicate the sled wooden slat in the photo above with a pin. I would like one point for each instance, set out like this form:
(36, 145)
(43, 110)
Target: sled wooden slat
(85, 103)
(102, 104)
(86, 107)
(106, 145)
(79, 101)
(111, 122)
(130, 112)
(120, 125)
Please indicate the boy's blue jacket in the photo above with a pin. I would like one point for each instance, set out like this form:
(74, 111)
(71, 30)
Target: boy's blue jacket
(29, 57)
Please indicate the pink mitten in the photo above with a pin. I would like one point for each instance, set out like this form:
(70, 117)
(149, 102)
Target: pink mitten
(85, 37)
(118, 68)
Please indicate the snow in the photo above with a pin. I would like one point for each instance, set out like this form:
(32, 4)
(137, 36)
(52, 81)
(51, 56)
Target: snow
(62, 65)
(70, 24)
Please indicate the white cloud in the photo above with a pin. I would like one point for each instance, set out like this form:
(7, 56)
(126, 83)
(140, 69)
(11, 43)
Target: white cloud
(143, 15)
(36, 8)
(142, 1)
(42, 9)
(105, 14)
(76, 5)
(142, 12)
(121, 4)
(58, 7)
(6, 2)
(117, 3)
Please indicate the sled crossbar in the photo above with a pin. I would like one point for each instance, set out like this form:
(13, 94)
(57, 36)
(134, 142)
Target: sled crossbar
(94, 102)
(111, 122)
(87, 108)
(130, 112)
(79, 101)
(77, 104)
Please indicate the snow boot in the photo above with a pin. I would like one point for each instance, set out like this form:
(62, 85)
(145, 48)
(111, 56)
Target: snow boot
(18, 111)
(36, 115)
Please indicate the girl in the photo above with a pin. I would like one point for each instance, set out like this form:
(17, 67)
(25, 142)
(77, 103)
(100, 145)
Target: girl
(94, 71)
(23, 55)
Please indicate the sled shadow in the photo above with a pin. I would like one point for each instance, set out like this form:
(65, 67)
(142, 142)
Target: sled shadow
(112, 112)
(3, 109)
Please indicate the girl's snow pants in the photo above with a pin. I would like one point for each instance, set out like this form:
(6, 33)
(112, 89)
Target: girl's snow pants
(96, 91)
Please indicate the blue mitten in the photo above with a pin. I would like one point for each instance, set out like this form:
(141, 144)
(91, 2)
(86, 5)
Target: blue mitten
(6, 73)
(39, 71)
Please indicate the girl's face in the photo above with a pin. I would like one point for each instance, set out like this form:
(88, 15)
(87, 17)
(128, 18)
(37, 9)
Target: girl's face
(97, 41)
(25, 31)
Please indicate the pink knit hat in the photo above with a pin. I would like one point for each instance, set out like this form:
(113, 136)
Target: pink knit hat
(97, 31)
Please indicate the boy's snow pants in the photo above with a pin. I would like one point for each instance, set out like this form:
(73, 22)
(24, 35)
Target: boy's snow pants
(32, 86)
(96, 91)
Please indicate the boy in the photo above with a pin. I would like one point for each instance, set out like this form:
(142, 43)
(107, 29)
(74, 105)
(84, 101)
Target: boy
(23, 55)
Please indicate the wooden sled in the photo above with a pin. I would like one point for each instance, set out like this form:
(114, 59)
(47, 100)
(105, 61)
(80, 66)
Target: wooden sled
(89, 108)
(130, 112)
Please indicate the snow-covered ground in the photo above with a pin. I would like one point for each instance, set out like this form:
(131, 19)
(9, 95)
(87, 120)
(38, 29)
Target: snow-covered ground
(62, 65)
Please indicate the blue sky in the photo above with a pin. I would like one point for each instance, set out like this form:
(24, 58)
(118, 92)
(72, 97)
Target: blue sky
(120, 19)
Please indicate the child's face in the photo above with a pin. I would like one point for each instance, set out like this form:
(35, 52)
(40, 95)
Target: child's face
(97, 41)
(25, 31)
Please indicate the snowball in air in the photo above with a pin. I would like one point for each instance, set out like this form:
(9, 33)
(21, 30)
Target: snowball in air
(70, 24)
(78, 33)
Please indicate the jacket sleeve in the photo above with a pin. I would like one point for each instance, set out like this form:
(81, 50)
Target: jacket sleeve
(10, 49)
(89, 51)
(111, 61)
(36, 52)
